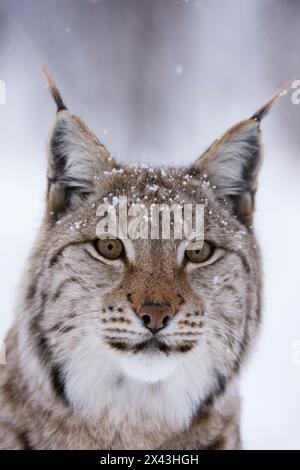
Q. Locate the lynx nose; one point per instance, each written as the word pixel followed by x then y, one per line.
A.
pixel 155 316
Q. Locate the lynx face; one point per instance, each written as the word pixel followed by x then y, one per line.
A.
pixel 129 318
pixel 151 308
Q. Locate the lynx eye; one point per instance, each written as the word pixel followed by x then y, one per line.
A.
pixel 201 255
pixel 110 248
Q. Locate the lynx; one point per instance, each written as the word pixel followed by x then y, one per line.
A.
pixel 135 344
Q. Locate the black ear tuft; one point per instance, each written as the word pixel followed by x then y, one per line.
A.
pixel 263 111
pixel 54 90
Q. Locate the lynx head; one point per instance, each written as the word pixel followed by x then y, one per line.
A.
pixel 144 310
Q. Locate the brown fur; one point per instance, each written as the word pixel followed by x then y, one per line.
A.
pixel 71 300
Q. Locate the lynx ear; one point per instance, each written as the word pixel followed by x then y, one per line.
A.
pixel 76 158
pixel 232 163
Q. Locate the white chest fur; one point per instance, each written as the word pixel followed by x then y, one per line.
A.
pixel 152 389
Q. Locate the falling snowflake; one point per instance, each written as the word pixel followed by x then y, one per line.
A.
pixel 178 69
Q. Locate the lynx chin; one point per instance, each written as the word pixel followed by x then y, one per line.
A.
pixel 135 343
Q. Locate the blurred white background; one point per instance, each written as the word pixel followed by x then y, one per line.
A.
pixel 158 81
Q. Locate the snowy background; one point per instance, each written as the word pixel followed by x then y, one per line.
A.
pixel 158 81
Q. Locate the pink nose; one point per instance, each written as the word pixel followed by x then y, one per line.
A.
pixel 154 316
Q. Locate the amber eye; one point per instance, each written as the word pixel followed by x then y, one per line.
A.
pixel 111 248
pixel 201 255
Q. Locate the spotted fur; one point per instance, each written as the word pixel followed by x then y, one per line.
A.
pixel 82 371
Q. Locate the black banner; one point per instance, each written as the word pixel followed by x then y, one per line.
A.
pixel 136 459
